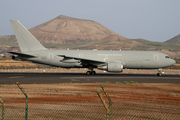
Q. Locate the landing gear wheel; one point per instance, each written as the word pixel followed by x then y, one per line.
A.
pixel 159 74
pixel 88 73
pixel 93 72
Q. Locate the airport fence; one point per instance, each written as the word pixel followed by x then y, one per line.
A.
pixel 81 109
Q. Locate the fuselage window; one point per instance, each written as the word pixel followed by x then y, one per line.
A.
pixel 167 57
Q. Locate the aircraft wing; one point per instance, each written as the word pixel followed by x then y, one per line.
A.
pixel 85 60
pixel 23 55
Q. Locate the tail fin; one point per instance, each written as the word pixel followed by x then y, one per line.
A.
pixel 27 42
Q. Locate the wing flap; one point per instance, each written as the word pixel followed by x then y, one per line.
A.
pixel 85 60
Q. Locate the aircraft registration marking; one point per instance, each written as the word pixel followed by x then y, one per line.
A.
pixel 109 54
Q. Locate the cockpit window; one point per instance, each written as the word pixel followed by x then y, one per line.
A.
pixel 167 57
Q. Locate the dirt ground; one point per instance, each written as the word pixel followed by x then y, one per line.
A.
pixel 80 100
pixel 141 92
pixel 158 100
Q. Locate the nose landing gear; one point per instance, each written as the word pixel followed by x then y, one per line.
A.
pixel 159 72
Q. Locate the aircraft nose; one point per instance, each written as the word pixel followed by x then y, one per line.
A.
pixel 173 62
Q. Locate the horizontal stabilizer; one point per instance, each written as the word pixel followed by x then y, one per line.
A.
pixel 23 55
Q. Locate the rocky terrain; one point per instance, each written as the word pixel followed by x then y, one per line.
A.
pixel 64 29
pixel 175 39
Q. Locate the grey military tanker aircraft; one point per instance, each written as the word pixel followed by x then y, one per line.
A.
pixel 109 60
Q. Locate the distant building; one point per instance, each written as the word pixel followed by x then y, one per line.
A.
pixel 1 54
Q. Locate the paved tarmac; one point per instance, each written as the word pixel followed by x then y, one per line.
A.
pixel 44 78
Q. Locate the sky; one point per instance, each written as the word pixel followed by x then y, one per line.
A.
pixel 153 20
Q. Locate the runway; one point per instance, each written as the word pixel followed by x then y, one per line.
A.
pixel 50 78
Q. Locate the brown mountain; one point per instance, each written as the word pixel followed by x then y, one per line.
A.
pixel 175 39
pixel 63 30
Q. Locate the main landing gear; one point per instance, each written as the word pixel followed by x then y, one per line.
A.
pixel 91 72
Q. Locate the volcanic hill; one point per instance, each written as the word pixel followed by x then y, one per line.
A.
pixel 175 39
pixel 63 30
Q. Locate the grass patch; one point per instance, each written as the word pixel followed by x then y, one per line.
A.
pixel 118 82
pixel 133 82
pixel 125 82
pixel 79 94
pixel 56 90
pixel 107 82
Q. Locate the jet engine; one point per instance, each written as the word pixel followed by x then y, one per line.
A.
pixel 70 61
pixel 15 57
pixel 112 67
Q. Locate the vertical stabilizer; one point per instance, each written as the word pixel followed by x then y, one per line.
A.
pixel 27 42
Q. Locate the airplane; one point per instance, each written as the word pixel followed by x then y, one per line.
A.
pixel 107 60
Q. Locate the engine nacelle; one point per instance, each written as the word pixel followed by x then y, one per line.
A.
pixel 112 67
pixel 70 61
pixel 115 67
pixel 15 57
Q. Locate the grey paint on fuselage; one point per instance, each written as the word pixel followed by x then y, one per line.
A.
pixel 109 60
pixel 129 59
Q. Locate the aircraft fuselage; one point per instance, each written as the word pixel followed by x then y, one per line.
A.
pixel 129 59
